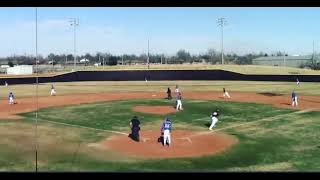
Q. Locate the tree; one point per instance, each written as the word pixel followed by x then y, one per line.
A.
pixel 113 60
pixel 10 64
pixel 183 55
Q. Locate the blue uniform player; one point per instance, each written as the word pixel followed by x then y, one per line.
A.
pixel 166 130
pixel 294 98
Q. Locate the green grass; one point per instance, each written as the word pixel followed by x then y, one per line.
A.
pixel 288 143
pixel 305 88
pixel 244 69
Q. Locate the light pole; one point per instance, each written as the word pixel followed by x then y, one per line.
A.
pixel 222 23
pixel 148 56
pixel 37 83
pixel 74 22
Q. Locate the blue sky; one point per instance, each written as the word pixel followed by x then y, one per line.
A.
pixel 127 30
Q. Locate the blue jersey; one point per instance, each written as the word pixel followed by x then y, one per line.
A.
pixel 167 125
pixel 11 95
pixel 294 95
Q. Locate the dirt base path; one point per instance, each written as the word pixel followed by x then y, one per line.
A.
pixel 184 144
pixel 29 104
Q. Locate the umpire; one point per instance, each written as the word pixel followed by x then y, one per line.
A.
pixel 169 93
pixel 135 128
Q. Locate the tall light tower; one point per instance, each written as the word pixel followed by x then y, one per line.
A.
pixel 222 22
pixel 148 55
pixel 74 22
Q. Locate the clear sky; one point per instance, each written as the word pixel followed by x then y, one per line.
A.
pixel 127 30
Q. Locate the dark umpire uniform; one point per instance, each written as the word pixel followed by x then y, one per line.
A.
pixel 135 128
pixel 169 93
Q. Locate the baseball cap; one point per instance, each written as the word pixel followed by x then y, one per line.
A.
pixel 214 113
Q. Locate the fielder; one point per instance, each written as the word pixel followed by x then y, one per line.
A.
pixel 294 98
pixel 214 120
pixel 225 93
pixel 179 102
pixel 53 91
pixel 11 98
pixel 166 131
pixel 298 82
pixel 177 89
pixel 5 83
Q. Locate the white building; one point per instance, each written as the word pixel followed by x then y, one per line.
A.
pixel 20 70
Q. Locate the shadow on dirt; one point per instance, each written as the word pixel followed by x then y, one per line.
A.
pixel 270 94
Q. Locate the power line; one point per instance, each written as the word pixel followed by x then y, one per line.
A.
pixel 222 22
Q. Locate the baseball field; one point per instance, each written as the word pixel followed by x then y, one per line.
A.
pixel 85 127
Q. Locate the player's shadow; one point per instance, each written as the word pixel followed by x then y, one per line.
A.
pixel 270 94
pixel 286 104
pixel 207 124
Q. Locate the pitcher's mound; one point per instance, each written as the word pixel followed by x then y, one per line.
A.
pixel 162 110
pixel 184 144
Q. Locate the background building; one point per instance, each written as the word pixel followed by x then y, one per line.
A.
pixel 291 61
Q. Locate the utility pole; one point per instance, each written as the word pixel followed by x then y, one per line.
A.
pixel 122 61
pixel 74 22
pixel 284 58
pixel 222 23
pixel 66 59
pixel 313 52
pixel 99 59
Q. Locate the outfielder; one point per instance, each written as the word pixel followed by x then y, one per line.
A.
pixel 225 93
pixel 294 98
pixel 166 129
pixel 53 91
pixel 179 102
pixel 298 82
pixel 11 98
pixel 214 120
pixel 5 83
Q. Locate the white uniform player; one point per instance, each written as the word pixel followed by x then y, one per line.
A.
pixel 294 97
pixel 177 89
pixel 225 93
pixel 11 98
pixel 53 91
pixel 214 120
pixel 166 130
pixel 179 102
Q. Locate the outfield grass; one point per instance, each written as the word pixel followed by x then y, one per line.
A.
pixel 290 142
pixel 244 69
pixel 305 88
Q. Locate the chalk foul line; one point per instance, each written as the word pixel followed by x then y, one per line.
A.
pixel 85 127
pixel 252 122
